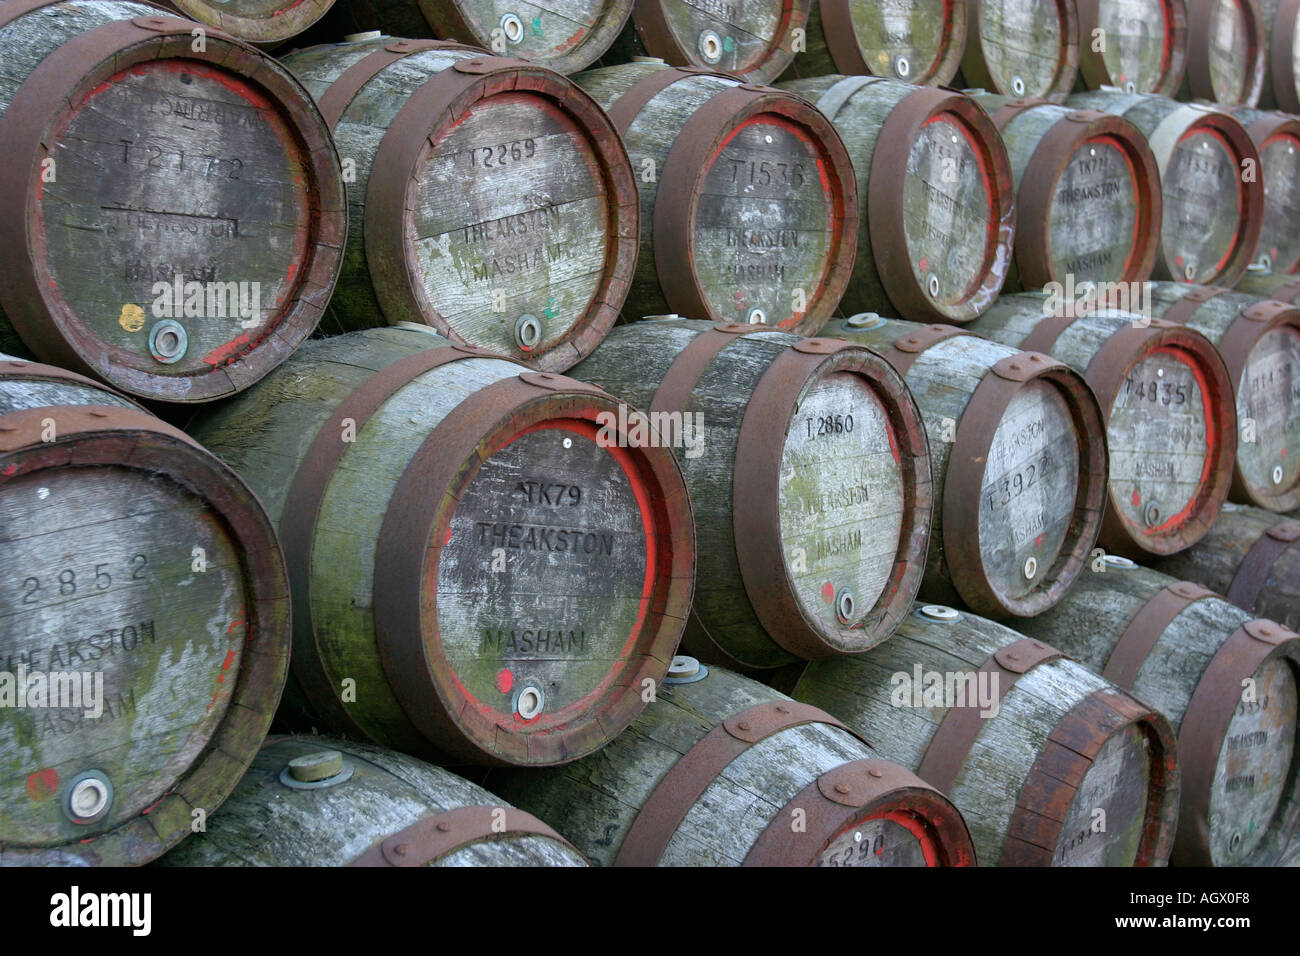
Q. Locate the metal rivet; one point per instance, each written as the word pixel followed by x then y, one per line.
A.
pixel 1012 656
pixel 782 709
pixel 402 849
pixel 710 46
pixel 168 341
pixel 745 725
pixel 1266 630
pixel 444 827
pixel 512 28
pixel 1031 567
pixel 873 772
pixel 841 788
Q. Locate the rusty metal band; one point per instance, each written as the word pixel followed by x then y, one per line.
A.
pixel 956 733
pixel 1257 565
pixel 687 779
pixel 1200 31
pixel 906 349
pixel 887 216
pixel 1282 57
pixel 1044 800
pixel 1267 125
pixel 967 463
pixel 1207 718
pixel 1042 337
pixel 636 97
pixel 1004 114
pixel 756 488
pixel 335 100
pixel 1287 292
pixel 302 506
pixel 1146 628
pixel 415 529
pixel 1181 312
pixel 851 792
pixel 432 838
pixel 682 181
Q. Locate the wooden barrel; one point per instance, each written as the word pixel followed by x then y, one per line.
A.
pixel 483 566
pixel 565 37
pixel 1049 764
pixel 1260 343
pixel 267 23
pixel 173 217
pixel 722 771
pixel 1225 52
pixel 1017 432
pixel 915 41
pixel 1210 219
pixel 1277 137
pixel 810 478
pixel 145 617
pixel 1249 558
pixel 492 198
pixel 1022 47
pixel 1281 22
pixel 1226 682
pixel 1087 194
pixel 939 197
pixel 1142 47
pixel 749 211
pixel 754 40
pixel 1266 284
pixel 1169 406
pixel 314 801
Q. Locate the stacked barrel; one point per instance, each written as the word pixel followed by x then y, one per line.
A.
pixel 718 473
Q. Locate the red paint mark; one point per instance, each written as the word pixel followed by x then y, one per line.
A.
pixel 828 592
pixel 1038 542
pixel 223 353
pixel 448 541
pixel 230 659
pixel 505 680
pixel 572 41
pixel 1178 261
pixel 1121 79
pixel 1284 453
pixel 233 625
pixel 11 470
pixel 293 267
pixel 880 851
pixel 42 784
pixel 1137 499
pixel 924 264
pixel 1272 253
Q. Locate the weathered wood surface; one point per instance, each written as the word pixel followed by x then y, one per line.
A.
pixel 1145 45
pixel 1022 47
pixel 1226 52
pixel 1035 484
pixel 1170 417
pixel 1128 775
pixel 754 40
pixel 955 224
pixel 1087 194
pixel 1278 140
pixel 561 35
pixel 209 168
pixel 1273 585
pixel 139 576
pixel 598 799
pixel 1264 284
pixel 520 206
pixel 1211 218
pixel 916 41
pixel 1264 362
pixel 1249 786
pixel 847 468
pixel 268 822
pixel 264 22
pixel 557 569
pixel 773 219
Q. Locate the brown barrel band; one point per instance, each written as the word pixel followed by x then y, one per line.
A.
pixel 1181 312
pixel 636 97
pixel 1146 628
pixel 1205 724
pixel 1004 114
pixel 335 100
pixel 842 795
pixel 956 734
pixel 906 349
pixel 1044 800
pixel 432 838
pixel 687 779
pixel 1253 572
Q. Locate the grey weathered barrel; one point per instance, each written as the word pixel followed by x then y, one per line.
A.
pixel 484 564
pixel 267 23
pixel 1018 451
pixel 1213 197
pixel 809 473
pixel 565 36
pixel 1225 52
pixel 1226 682
pixel 1142 48
pixel 314 801
pixel 1281 22
pixel 749 212
pixel 1022 47
pixel 722 771
pixel 1169 406
pixel 755 40
pixel 1277 137
pixel 1087 194
pixel 1260 343
pixel 938 195
pixel 1249 557
pixel 172 216
pixel 492 199
pixel 916 41
pixel 146 613
pixel 1049 764
pixel 1265 284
